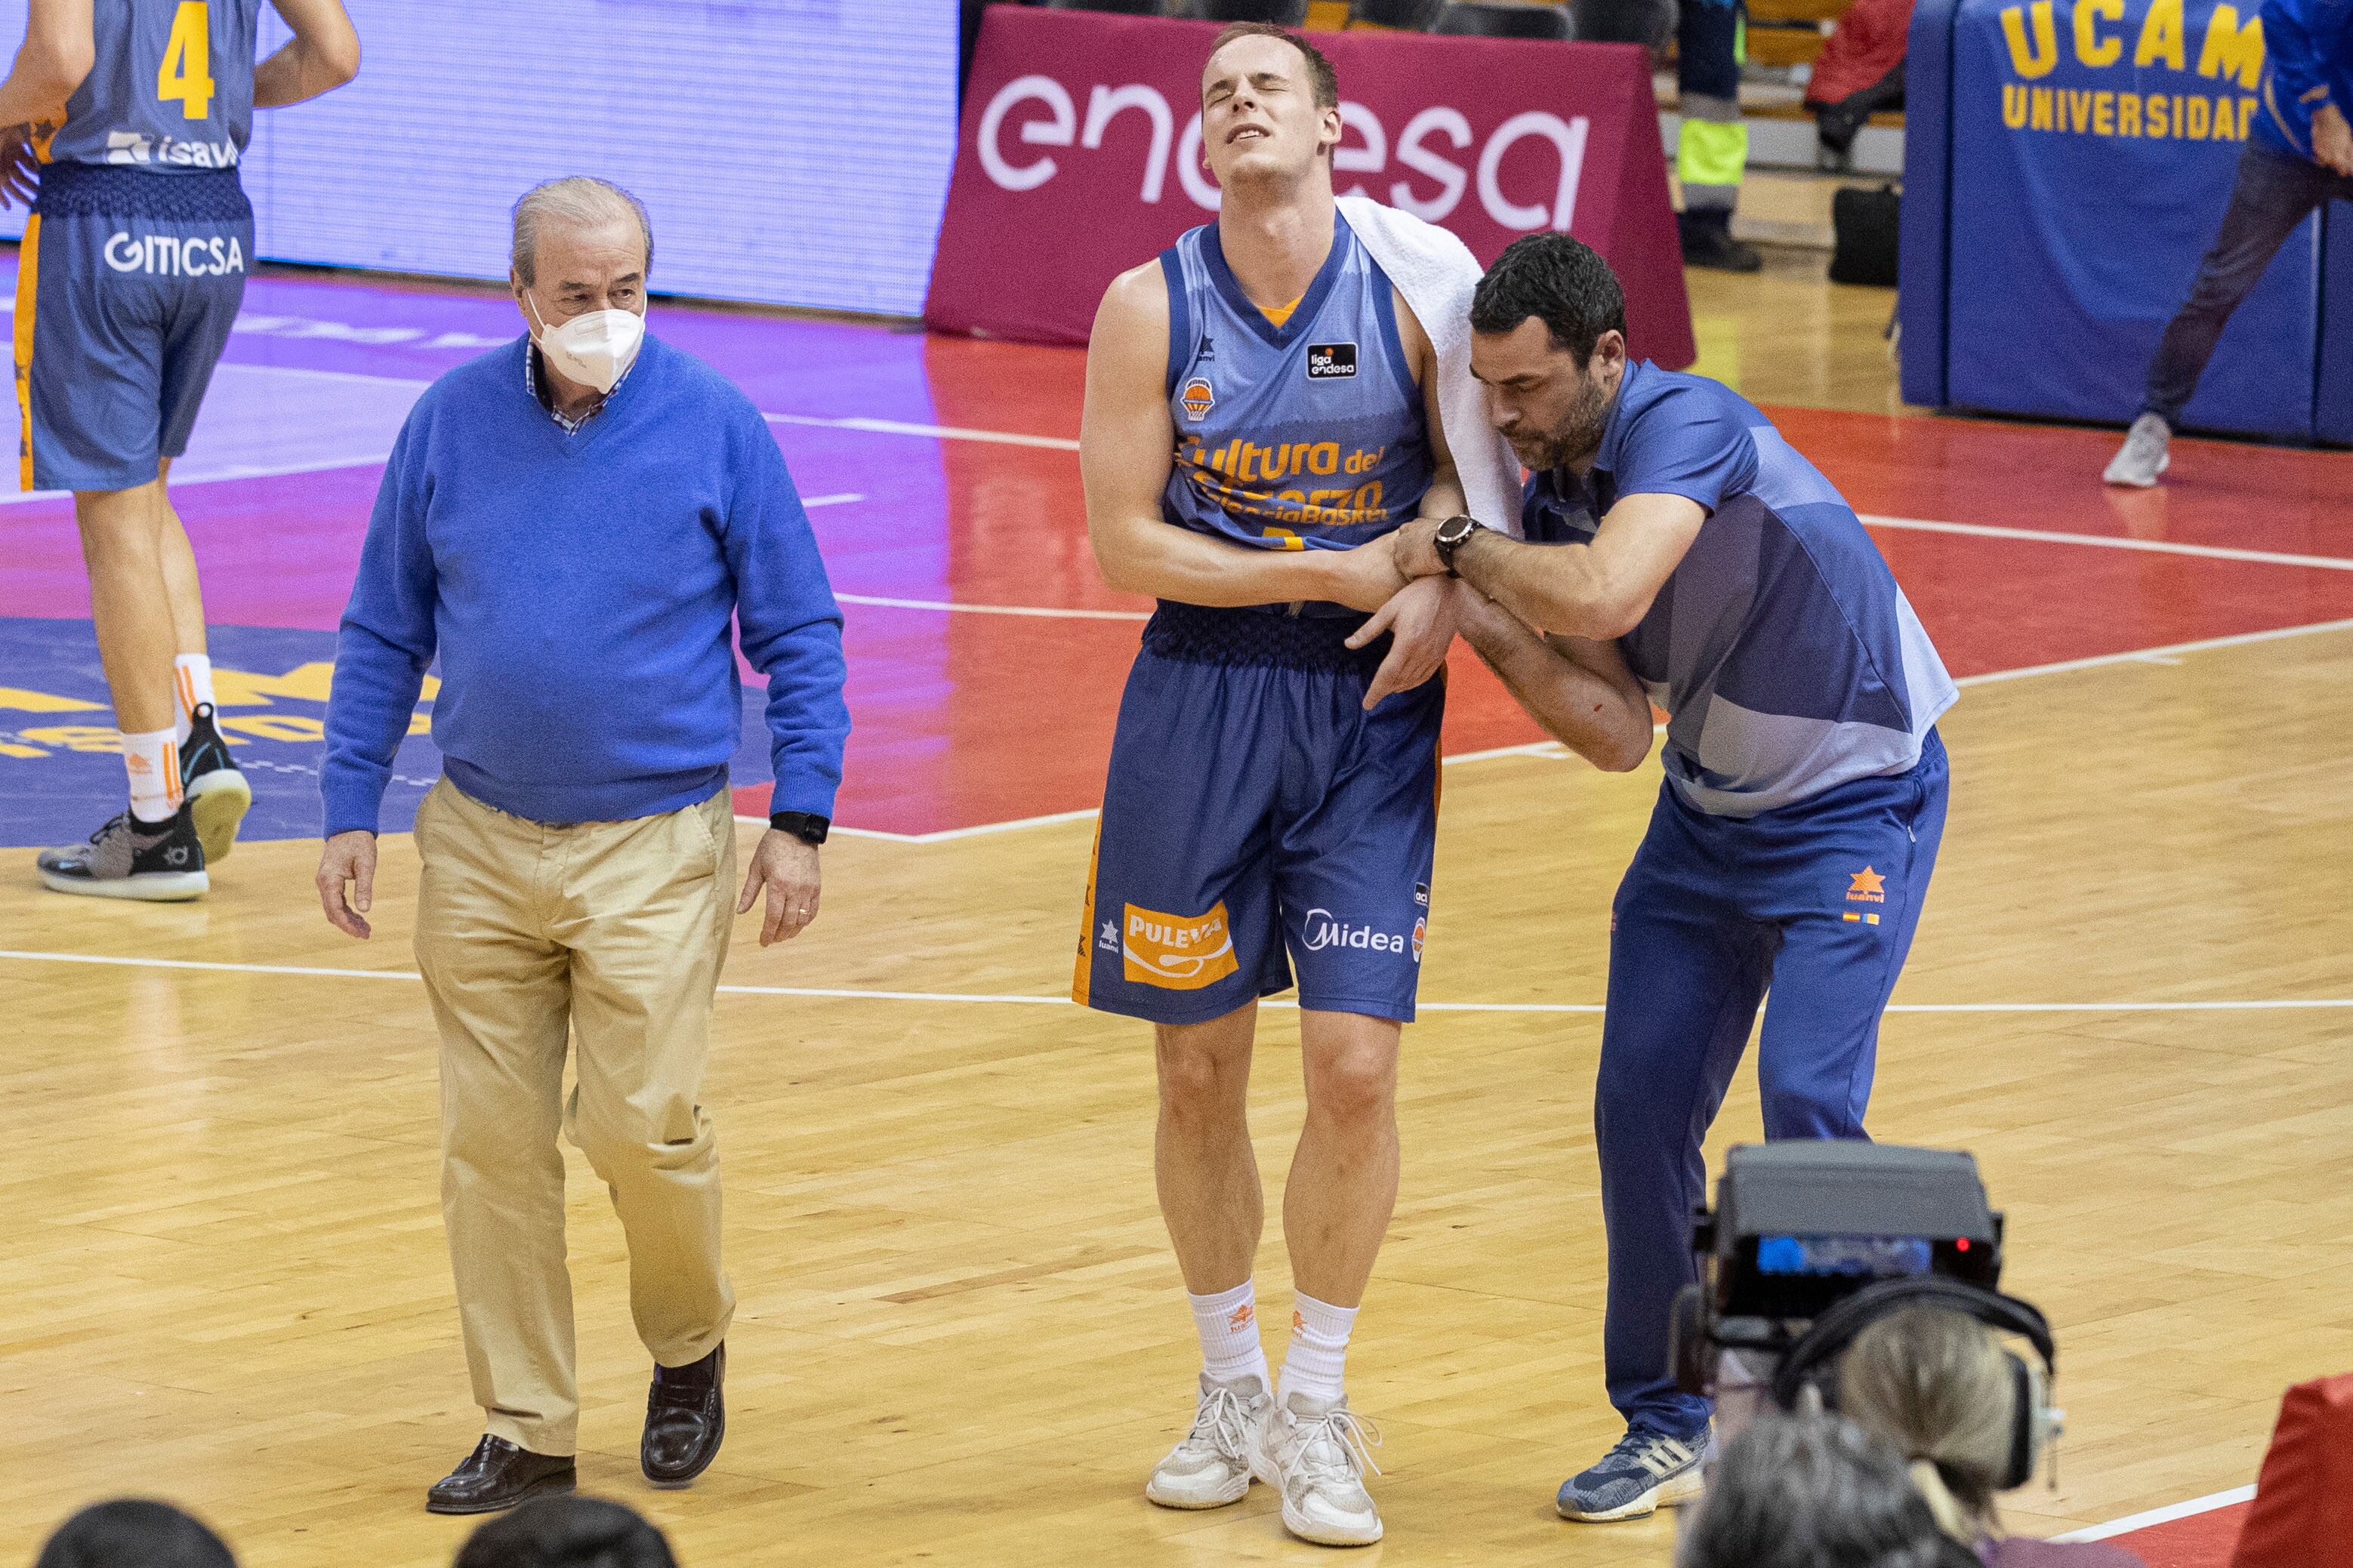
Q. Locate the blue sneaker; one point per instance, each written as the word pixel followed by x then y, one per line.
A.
pixel 1644 1472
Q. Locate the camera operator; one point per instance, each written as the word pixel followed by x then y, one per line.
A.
pixel 1814 1490
pixel 1938 1386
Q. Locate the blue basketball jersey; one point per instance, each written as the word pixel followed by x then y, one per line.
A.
pixel 1309 435
pixel 171 90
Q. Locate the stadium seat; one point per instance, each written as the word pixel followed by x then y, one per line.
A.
pixel 1283 12
pixel 1394 15
pixel 1505 19
pixel 1644 22
pixel 2298 1519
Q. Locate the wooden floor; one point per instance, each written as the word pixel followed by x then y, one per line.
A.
pixel 959 1338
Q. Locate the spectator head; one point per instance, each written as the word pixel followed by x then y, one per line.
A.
pixel 567 1532
pixel 131 1532
pixel 1549 338
pixel 1936 1384
pixel 1813 1491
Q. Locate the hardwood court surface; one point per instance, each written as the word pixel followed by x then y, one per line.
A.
pixel 959 1338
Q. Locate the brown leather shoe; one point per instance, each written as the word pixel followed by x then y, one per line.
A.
pixel 498 1475
pixel 686 1417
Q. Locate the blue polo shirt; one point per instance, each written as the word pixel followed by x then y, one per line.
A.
pixel 1786 657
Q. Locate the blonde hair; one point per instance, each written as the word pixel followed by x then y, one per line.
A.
pixel 1938 1386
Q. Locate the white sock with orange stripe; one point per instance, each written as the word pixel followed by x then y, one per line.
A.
pixel 1227 1323
pixel 192 684
pixel 153 760
pixel 1318 1357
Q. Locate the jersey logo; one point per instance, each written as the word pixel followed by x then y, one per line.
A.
pixel 1331 362
pixel 1198 398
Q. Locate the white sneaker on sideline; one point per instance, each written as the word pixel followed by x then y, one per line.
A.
pixel 2143 455
pixel 1211 1468
pixel 1316 1452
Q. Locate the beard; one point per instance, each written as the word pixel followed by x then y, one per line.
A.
pixel 1576 436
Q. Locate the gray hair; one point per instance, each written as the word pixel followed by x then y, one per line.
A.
pixel 578 199
pixel 1813 1491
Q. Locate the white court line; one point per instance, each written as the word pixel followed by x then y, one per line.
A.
pixel 2112 541
pixel 2164 1515
pixel 849 995
pixel 936 432
pixel 1039 610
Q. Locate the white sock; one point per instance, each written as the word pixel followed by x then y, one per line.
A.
pixel 1227 1323
pixel 153 760
pixel 191 683
pixel 1319 1348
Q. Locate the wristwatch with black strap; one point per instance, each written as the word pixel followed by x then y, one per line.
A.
pixel 805 825
pixel 1453 535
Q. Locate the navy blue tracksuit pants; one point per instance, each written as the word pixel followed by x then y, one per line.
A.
pixel 1815 902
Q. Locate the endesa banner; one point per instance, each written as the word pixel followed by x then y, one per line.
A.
pixel 2092 148
pixel 1081 157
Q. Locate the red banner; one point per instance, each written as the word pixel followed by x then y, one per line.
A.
pixel 1081 157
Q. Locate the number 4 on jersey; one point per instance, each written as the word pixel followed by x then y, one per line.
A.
pixel 187 73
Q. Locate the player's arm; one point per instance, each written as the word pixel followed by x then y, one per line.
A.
pixel 1596 591
pixel 1424 616
pixel 323 55
pixel 58 49
pixel 1127 445
pixel 1579 690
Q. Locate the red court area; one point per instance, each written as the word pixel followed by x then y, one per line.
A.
pixel 943 478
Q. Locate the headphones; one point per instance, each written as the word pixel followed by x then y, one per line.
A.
pixel 2035 1422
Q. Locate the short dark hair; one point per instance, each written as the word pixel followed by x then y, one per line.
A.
pixel 567 1532
pixel 1558 280
pixel 131 1533
pixel 1319 74
pixel 1813 1491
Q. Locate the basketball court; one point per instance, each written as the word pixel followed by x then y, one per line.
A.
pixel 2131 996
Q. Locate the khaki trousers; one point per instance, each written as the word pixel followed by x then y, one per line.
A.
pixel 614 931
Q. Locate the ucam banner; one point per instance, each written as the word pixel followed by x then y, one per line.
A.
pixel 1081 157
pixel 2084 150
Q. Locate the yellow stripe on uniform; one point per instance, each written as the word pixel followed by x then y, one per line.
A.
pixel 28 290
pixel 1711 151
pixel 1082 972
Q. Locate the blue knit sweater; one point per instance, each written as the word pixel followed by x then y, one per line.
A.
pixel 579 589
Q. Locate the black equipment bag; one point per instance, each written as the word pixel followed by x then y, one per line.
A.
pixel 1864 224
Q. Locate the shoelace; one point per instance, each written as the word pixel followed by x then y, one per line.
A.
pixel 1656 1454
pixel 1221 1420
pixel 1336 1445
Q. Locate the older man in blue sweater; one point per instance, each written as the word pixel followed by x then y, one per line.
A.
pixel 572 524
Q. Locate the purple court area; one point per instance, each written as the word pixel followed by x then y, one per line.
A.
pixel 276 489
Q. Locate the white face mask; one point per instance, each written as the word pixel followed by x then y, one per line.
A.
pixel 593 348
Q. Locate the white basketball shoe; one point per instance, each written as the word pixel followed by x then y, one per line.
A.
pixel 1211 1468
pixel 1316 1452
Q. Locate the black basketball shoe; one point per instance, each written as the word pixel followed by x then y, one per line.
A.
pixel 218 796
pixel 127 858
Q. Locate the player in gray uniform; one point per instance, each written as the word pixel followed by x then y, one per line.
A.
pixel 125 121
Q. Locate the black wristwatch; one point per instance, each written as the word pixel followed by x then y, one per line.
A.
pixel 1451 535
pixel 805 825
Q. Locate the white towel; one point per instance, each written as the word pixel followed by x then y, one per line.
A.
pixel 1436 273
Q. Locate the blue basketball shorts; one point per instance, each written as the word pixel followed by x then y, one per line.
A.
pixel 128 283
pixel 1257 819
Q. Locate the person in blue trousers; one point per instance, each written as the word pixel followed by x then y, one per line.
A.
pixel 1679 552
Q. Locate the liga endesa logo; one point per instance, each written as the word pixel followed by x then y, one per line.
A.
pixel 1422 147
